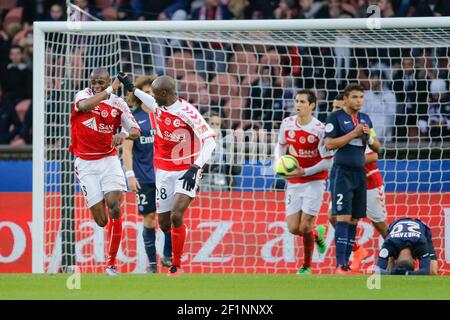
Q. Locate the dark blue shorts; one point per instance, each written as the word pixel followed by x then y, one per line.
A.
pixel 146 198
pixel 348 191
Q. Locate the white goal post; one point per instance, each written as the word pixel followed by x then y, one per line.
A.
pixel 273 250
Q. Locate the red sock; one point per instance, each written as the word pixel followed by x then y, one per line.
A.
pixel 308 247
pixel 355 247
pixel 114 237
pixel 178 238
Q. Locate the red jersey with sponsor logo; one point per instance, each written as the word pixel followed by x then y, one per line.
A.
pixel 306 144
pixel 180 132
pixel 92 132
pixel 374 178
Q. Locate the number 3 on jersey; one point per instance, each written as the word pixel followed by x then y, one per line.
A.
pixel 141 199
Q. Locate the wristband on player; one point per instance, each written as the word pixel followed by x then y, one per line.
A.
pixel 371 141
pixel 129 174
pixel 109 90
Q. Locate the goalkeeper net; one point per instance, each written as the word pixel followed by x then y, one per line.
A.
pixel 243 75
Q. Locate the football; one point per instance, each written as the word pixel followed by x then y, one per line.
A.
pixel 285 165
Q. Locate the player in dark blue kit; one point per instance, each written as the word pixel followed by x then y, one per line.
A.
pixel 348 132
pixel 407 240
pixel 138 163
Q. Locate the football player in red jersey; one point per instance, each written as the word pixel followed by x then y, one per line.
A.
pixel 301 136
pixel 184 142
pixel 97 114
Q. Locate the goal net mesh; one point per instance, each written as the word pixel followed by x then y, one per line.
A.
pixel 249 79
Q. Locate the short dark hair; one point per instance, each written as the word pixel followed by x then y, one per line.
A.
pixel 407 264
pixel 353 87
pixel 311 95
pixel 339 97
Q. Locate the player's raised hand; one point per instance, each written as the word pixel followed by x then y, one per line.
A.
pixel 126 82
pixel 366 130
pixel 133 184
pixel 116 84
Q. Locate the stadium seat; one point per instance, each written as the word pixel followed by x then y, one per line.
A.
pixel 22 108
pixel 223 85
pixel 14 15
pixel 103 4
pixel 109 14
pixel 180 64
pixel 7 4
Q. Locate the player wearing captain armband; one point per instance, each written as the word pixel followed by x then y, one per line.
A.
pixel 376 207
pixel 301 136
pixel 407 240
pixel 183 143
pixel 348 132
pixel 96 116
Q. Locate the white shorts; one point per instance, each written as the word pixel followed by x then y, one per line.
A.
pixel 376 207
pixel 306 197
pixel 168 183
pixel 98 177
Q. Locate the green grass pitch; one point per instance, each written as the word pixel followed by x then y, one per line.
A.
pixel 222 287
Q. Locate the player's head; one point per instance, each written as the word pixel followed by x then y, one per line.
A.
pixel 214 121
pixel 305 102
pixel 143 83
pixel 405 260
pixel 354 96
pixel 100 80
pixel 164 90
pixel 338 102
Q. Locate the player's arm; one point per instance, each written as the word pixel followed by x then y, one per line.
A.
pixel 148 102
pixel 89 104
pixel 424 267
pixel 332 141
pixel 383 262
pixel 371 157
pixel 127 155
pixel 205 153
pixel 372 139
pixel 325 163
pixel 281 146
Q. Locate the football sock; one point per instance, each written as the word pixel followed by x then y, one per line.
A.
pixel 308 247
pixel 167 244
pixel 149 243
pixel 351 241
pixel 178 238
pixel 341 241
pixel 114 236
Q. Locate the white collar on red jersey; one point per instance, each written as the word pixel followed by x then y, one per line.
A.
pixel 173 105
pixel 305 126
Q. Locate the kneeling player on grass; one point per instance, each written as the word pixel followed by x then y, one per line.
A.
pixel 183 143
pixel 407 239
pixel 376 208
pixel 301 136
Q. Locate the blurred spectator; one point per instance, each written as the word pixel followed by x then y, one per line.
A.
pixel 24 134
pixel 88 11
pixel 436 123
pixel 9 121
pixel 410 87
pixel 217 174
pixel 16 79
pixel 264 103
pixel 309 8
pixel 380 105
pixel 442 8
pixel 261 9
pixel 210 56
pixel 287 9
pixel 57 13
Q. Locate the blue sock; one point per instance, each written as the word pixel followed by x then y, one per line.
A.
pixel 341 241
pixel 167 244
pixel 149 243
pixel 351 241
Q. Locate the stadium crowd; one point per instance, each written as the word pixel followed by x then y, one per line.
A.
pixel 252 89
